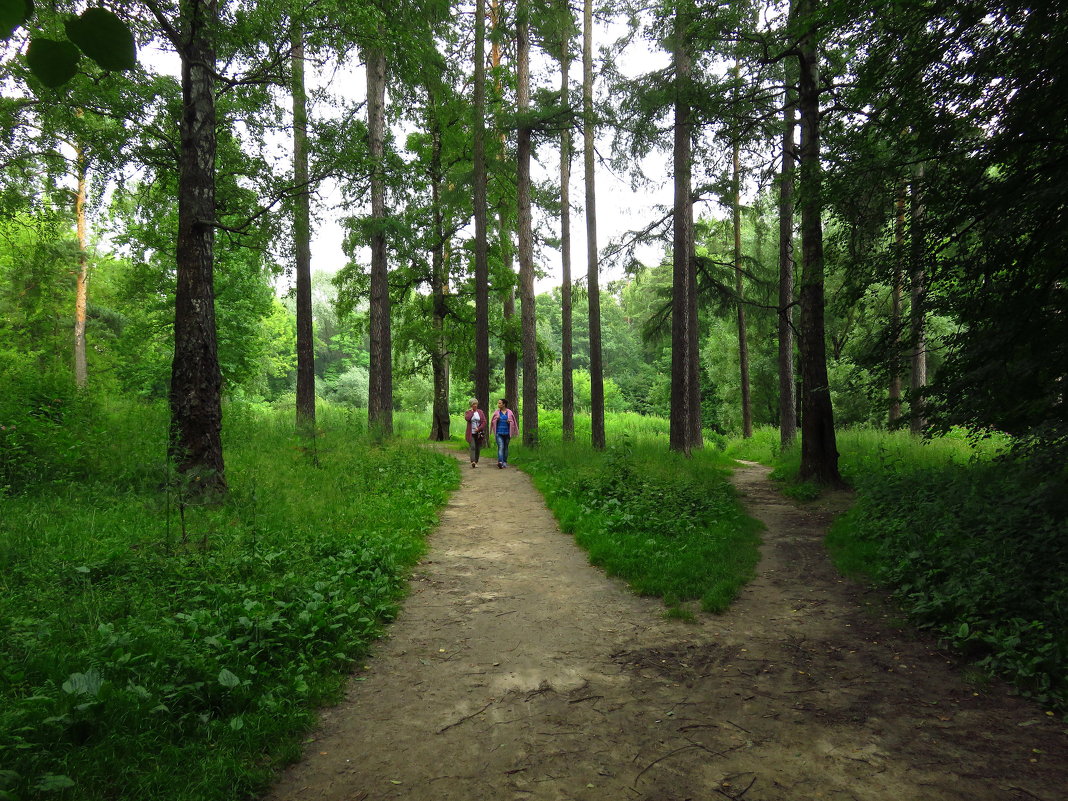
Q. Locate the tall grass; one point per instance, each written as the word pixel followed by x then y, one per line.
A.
pixel 145 636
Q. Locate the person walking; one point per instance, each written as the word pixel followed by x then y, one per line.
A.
pixel 505 426
pixel 475 433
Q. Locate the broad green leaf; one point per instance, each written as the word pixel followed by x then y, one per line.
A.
pixel 53 63
pixel 105 38
pixel 13 13
pixel 51 782
pixel 88 683
pixel 228 679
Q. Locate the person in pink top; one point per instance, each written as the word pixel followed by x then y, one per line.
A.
pixel 504 425
pixel 475 432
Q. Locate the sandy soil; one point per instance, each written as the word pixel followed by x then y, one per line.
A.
pixel 517 671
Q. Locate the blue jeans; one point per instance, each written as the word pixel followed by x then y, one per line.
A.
pixel 502 448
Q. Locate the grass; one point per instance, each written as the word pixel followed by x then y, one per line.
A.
pixel 670 526
pixel 145 637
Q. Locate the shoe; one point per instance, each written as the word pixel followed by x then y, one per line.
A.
pixel 500 466
pixel 474 464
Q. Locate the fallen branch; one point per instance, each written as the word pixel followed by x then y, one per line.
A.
pixel 465 718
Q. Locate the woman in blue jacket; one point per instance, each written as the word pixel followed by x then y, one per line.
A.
pixel 505 426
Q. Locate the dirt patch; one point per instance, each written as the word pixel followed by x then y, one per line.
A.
pixel 517 671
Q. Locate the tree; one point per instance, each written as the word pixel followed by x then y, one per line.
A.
pixel 526 233
pixel 478 111
pixel 917 317
pixel 787 408
pixel 567 380
pixel 302 237
pixel 739 287
pixel 594 293
pixel 685 389
pixel 82 277
pixel 380 398
pixel 196 380
pixel 819 452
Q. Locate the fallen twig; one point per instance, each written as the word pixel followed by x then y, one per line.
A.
pixel 465 718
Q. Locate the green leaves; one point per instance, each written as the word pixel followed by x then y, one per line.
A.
pixel 52 62
pixel 13 13
pixel 228 679
pixel 98 33
pixel 104 38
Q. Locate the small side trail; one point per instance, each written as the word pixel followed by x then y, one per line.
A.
pixel 518 671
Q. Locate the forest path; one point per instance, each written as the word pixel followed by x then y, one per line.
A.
pixel 518 671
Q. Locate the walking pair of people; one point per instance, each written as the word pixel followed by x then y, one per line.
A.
pixel 502 423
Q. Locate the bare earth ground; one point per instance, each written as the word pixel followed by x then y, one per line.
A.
pixel 517 671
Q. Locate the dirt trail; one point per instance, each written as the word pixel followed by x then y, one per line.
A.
pixel 517 671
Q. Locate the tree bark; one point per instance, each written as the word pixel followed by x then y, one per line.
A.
pixel 918 315
pixel 439 355
pixel 511 355
pixel 380 386
pixel 81 285
pixel 787 407
pixel 196 379
pixel 302 239
pixel 479 200
pixel 685 428
pixel 567 372
pixel 819 452
pixel 597 435
pixel 739 287
pixel 529 414
pixel 895 309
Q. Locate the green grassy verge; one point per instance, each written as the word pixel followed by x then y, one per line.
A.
pixel 151 648
pixel 670 526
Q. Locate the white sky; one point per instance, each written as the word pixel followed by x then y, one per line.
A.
pixel 619 208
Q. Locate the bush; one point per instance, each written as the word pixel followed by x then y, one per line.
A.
pixel 349 388
pixel 46 424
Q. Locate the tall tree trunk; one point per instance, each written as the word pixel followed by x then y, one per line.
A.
pixel 81 285
pixel 819 452
pixel 918 314
pixel 567 375
pixel 511 355
pixel 196 379
pixel 479 199
pixel 526 231
pixel 787 407
pixel 380 387
pixel 593 283
pixel 302 238
pixel 684 374
pixel 895 309
pixel 739 288
pixel 439 355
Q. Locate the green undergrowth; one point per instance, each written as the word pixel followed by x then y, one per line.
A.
pixel 971 539
pixel 670 526
pixel 155 646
